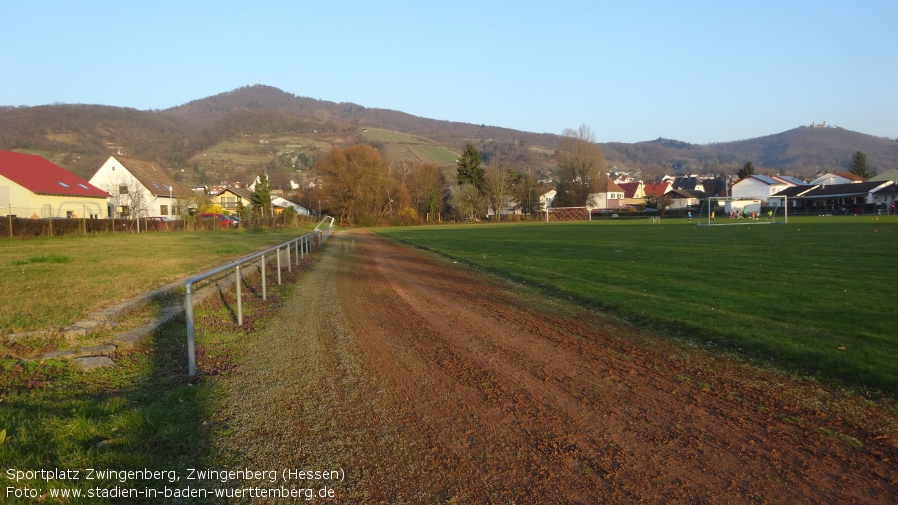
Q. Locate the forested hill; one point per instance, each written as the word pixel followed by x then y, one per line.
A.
pixel 231 135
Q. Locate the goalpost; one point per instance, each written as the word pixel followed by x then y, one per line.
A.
pixel 557 214
pixel 728 211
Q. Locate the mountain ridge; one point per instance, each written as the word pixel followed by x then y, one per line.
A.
pixel 79 137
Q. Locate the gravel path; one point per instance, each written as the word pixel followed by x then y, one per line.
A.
pixel 303 400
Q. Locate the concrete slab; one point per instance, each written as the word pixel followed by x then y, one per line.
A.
pixel 94 362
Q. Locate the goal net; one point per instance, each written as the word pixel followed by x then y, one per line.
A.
pixel 725 211
pixel 556 214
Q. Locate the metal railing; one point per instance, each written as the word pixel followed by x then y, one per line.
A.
pixel 305 244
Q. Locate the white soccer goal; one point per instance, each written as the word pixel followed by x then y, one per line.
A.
pixel 727 211
pixel 557 214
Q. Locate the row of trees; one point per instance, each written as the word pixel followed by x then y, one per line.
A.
pixel 363 188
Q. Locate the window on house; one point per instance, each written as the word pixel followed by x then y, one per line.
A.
pixel 62 184
pixel 123 190
pixel 124 211
pixel 69 214
pixel 163 209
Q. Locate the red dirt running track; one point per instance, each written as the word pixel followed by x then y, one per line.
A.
pixel 461 388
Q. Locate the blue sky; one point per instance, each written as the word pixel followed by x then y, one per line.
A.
pixel 696 71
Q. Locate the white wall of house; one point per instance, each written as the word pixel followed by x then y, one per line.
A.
pixel 546 199
pixel 129 197
pixel 681 202
pixel 607 200
pixel 510 207
pixel 284 203
pixel 752 188
pixel 831 178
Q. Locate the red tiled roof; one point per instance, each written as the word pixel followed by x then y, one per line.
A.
pixel 629 188
pixel 40 176
pixel 656 189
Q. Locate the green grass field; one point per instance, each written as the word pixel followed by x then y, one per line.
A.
pixel 816 295
pixel 438 154
pixel 393 137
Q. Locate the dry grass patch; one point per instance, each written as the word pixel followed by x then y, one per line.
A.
pixel 54 282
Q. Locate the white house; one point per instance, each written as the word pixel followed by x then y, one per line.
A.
pixel 681 199
pixel 140 188
pixel 546 200
pixel 612 198
pixel 282 203
pixel 830 178
pixel 762 187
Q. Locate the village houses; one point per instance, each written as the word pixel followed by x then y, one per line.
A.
pixel 140 188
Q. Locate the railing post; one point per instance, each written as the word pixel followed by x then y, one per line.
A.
pixel 191 338
pixel 239 299
pixel 289 257
pixel 279 265
pixel 264 293
pixel 303 244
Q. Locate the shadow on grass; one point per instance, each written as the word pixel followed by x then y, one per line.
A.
pixel 144 415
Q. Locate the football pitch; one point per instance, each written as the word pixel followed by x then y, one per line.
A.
pixel 816 296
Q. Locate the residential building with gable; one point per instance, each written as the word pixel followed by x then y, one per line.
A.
pixel 634 192
pixel 229 197
pixel 33 187
pixel 763 187
pixel 140 188
pixel 657 189
pixel 850 198
pixel 830 178
pixel 611 198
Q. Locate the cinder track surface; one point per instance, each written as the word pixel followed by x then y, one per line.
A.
pixel 429 383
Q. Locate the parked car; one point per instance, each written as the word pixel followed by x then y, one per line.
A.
pixel 155 222
pixel 223 220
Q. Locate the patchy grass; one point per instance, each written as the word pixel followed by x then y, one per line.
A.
pixel 50 258
pixel 52 282
pixel 808 296
pixel 144 413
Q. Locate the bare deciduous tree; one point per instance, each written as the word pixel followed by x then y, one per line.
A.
pixel 581 168
pixel 499 190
